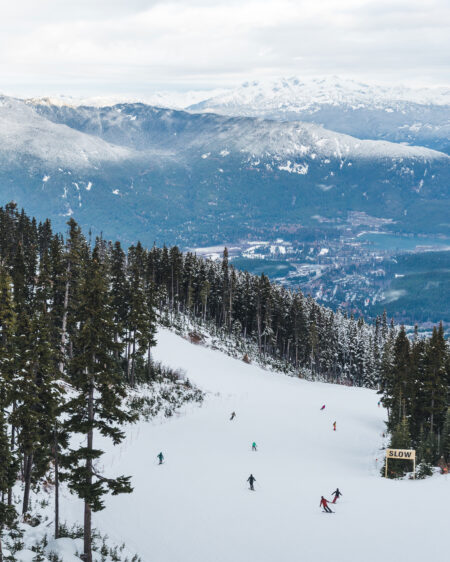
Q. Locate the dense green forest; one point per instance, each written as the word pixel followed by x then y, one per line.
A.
pixel 78 319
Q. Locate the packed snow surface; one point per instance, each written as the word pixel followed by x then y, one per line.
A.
pixel 197 507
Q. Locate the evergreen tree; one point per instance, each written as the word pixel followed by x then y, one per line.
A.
pixel 97 404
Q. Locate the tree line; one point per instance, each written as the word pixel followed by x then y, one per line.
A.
pixel 415 389
pixel 67 354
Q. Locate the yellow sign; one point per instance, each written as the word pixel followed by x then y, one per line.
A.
pixel 400 454
pixel 404 454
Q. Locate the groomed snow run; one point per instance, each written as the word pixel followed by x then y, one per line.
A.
pixel 197 507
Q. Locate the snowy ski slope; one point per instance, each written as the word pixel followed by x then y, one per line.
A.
pixel 197 506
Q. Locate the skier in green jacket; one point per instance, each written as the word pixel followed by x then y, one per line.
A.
pixel 254 446
pixel 160 457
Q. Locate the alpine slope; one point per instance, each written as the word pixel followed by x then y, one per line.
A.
pixel 197 505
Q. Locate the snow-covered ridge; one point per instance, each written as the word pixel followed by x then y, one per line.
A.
pixel 168 99
pixel 82 137
pixel 23 133
pixel 295 94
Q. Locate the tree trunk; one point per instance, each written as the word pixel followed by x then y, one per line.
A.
pixel 133 361
pixel 27 475
pixel 13 439
pixel 87 508
pixel 56 488
pixel 149 363
pixel 128 355
pixel 64 321
pixel 432 414
pixel 87 556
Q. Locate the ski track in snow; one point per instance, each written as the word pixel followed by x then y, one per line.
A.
pixel 197 507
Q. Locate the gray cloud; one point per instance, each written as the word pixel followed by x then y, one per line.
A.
pixel 54 46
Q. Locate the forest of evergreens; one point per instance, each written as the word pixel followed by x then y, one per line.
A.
pixel 78 319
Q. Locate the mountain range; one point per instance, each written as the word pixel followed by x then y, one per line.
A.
pixel 417 116
pixel 133 170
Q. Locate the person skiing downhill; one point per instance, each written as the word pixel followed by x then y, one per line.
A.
pixel 324 504
pixel 160 457
pixel 322 408
pixel 254 446
pixel 334 426
pixel 337 494
pixel 233 415
pixel 251 479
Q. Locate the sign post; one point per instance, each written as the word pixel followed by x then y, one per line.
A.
pixel 400 454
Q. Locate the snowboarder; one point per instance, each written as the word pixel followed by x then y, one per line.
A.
pixel 324 504
pixel 322 408
pixel 337 494
pixel 233 415
pixel 334 426
pixel 254 446
pixel 251 479
pixel 160 457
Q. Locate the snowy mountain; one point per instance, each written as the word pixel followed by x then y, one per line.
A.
pixel 399 114
pixel 197 506
pixel 137 171
pixel 26 135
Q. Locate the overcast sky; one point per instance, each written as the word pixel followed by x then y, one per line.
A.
pixel 90 47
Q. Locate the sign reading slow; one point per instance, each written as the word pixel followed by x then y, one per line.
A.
pixel 400 454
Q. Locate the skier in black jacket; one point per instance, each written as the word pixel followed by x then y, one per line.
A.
pixel 251 479
pixel 337 494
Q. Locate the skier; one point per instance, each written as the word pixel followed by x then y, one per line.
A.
pixel 337 494
pixel 254 446
pixel 160 457
pixel 251 479
pixel 334 426
pixel 322 408
pixel 233 415
pixel 379 402
pixel 324 504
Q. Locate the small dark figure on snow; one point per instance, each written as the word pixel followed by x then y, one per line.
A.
pixel 322 408
pixel 254 446
pixel 337 494
pixel 233 415
pixel 160 457
pixel 251 479
pixel 334 426
pixel 324 504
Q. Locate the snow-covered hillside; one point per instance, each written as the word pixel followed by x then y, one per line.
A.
pixel 197 506
pixel 25 134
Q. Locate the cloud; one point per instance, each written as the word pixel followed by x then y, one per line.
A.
pixel 141 45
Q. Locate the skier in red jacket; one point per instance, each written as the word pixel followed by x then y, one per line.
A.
pixel 324 504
